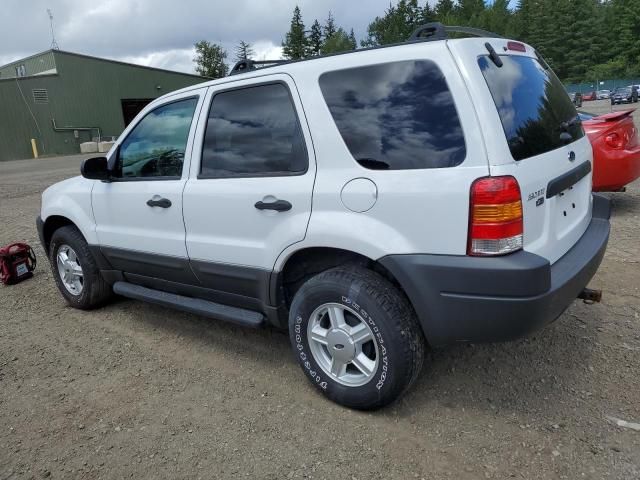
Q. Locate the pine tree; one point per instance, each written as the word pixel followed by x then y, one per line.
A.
pixel 210 60
pixel 498 18
pixel 352 40
pixel 470 11
pixel 445 11
pixel 397 24
pixel 315 39
pixel 244 51
pixel 428 14
pixel 329 28
pixel 340 41
pixel 294 47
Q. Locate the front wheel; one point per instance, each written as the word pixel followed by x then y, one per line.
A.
pixel 356 337
pixel 75 270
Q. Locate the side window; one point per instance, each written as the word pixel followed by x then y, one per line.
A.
pixel 156 146
pixel 251 132
pixel 396 116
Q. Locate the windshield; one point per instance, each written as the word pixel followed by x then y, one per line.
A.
pixel 623 90
pixel 536 113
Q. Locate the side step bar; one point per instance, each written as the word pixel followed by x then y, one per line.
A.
pixel 239 316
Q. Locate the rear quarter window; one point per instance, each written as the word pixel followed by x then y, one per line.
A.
pixel 396 116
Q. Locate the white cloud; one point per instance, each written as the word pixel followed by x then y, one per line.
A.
pixel 161 33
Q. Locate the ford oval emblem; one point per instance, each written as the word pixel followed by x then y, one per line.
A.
pixel 572 156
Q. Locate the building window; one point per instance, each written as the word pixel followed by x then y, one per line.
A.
pixel 21 71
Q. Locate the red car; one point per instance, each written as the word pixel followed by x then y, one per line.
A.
pixel 616 149
pixel 588 96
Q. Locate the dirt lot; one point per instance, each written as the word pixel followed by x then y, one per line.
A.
pixel 137 391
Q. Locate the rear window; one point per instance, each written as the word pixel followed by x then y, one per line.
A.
pixel 535 110
pixel 396 116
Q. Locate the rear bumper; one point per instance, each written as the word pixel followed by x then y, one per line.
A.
pixel 474 299
pixel 614 169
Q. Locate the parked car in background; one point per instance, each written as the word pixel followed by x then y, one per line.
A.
pixel 616 150
pixel 603 94
pixel 576 98
pixel 624 95
pixel 589 96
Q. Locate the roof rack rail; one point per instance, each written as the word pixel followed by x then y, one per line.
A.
pixel 437 31
pixel 246 65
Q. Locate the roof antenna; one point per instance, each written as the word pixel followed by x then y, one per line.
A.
pixel 54 44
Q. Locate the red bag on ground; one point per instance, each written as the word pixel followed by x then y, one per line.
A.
pixel 17 263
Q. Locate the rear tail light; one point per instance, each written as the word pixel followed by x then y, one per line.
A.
pixel 616 140
pixel 495 216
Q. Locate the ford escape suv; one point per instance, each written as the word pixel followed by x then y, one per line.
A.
pixel 373 203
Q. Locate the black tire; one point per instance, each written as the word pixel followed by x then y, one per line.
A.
pixel 401 344
pixel 95 291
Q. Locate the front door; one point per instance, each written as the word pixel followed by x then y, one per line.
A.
pixel 249 193
pixel 139 214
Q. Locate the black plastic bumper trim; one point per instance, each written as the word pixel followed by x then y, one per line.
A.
pixel 479 299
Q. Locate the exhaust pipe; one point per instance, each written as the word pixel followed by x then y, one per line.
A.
pixel 590 296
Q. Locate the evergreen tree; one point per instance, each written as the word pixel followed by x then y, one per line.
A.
pixel 397 24
pixel 315 39
pixel 210 60
pixel 295 47
pixel 445 11
pixel 498 18
pixel 329 28
pixel 470 11
pixel 340 41
pixel 352 40
pixel 582 40
pixel 244 51
pixel 428 14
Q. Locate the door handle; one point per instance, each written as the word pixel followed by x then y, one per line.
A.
pixel 161 202
pixel 278 206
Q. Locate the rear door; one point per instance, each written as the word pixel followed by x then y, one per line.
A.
pixel 249 193
pixel 532 132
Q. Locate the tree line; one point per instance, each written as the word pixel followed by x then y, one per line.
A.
pixel 583 40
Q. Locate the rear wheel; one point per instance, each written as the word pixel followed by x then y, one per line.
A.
pixel 75 271
pixel 356 337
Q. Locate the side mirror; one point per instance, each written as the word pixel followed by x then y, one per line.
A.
pixel 96 168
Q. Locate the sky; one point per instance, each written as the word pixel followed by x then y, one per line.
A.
pixel 161 33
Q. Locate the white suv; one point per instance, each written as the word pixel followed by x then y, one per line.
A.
pixel 373 203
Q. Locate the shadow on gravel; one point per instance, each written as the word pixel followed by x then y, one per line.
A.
pixel 525 377
pixel 624 204
pixel 260 345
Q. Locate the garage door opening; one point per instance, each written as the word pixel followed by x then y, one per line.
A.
pixel 132 106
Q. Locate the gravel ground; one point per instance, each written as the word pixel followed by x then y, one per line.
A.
pixel 134 390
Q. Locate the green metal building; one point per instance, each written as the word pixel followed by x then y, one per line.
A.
pixel 62 99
